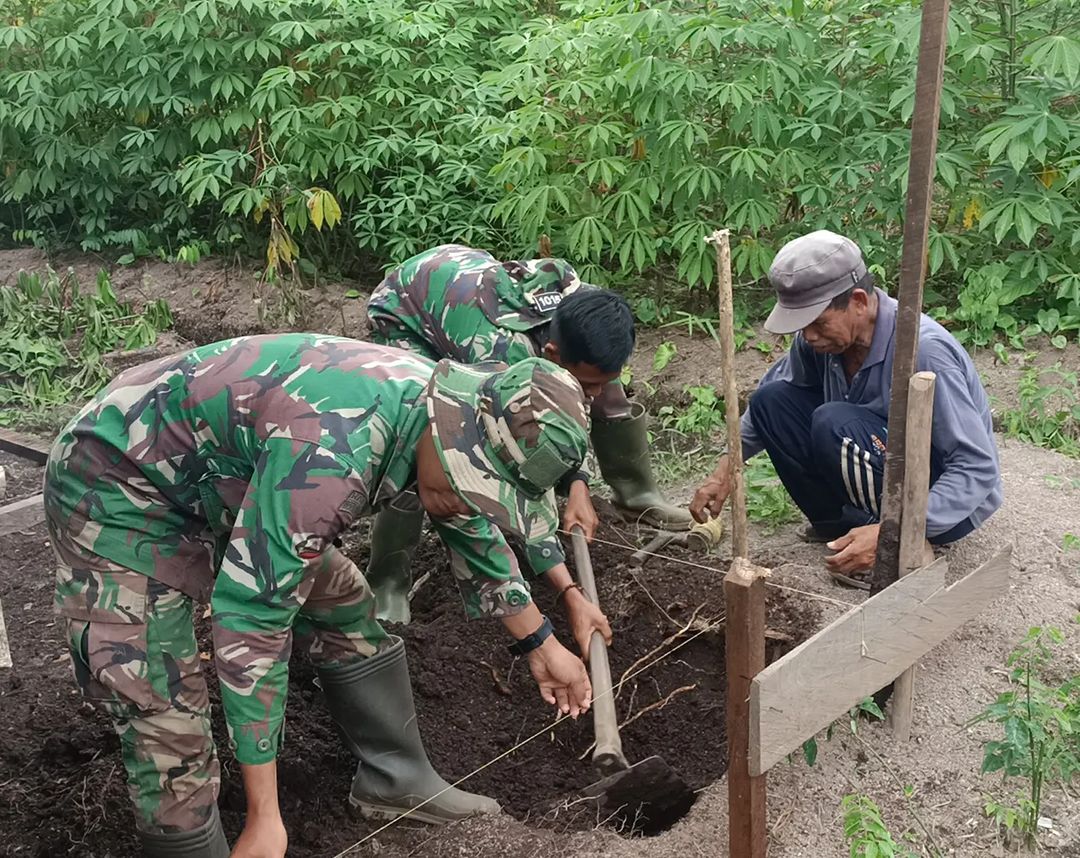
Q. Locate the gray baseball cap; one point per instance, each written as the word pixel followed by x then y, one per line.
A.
pixel 807 274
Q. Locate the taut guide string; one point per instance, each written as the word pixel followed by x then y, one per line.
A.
pixel 547 729
pixel 563 718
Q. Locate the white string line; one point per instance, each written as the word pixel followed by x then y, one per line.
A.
pixel 561 719
pixel 672 559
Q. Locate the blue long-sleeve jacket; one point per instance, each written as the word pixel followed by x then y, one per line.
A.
pixel 962 436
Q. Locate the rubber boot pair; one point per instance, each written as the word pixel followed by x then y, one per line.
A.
pixel 371 701
pixel 206 841
pixel 622 451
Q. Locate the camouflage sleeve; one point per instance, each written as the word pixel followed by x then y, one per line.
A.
pixel 544 554
pixel 502 344
pixel 300 497
pixel 485 568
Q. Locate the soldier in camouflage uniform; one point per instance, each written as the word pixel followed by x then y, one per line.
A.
pixel 460 303
pixel 225 474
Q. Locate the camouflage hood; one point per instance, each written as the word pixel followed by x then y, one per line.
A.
pixel 506 437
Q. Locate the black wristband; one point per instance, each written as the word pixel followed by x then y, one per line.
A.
pixel 530 642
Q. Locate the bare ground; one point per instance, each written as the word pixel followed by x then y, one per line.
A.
pixel 942 761
pixel 218 298
pixel 943 758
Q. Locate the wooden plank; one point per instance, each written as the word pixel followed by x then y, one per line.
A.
pixel 744 643
pixel 5 650
pixel 21 515
pixel 24 445
pixel 726 333
pixel 921 168
pixel 913 544
pixel 822 678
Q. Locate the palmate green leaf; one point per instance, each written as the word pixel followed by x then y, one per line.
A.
pixel 1057 55
pixel 589 237
pixel 637 247
pixel 751 215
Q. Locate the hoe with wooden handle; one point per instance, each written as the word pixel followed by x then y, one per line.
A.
pixel 648 795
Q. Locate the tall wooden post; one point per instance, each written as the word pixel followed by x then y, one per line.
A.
pixel 726 332
pixel 744 593
pixel 921 169
pixel 913 554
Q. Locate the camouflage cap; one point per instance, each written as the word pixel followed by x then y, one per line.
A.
pixel 530 291
pixel 506 437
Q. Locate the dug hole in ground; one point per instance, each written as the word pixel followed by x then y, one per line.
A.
pixel 62 788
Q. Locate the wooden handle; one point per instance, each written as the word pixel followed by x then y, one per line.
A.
pixel 608 756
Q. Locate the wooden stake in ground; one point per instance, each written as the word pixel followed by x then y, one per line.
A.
pixel 913 545
pixel 726 331
pixel 924 131
pixel 744 643
pixel 5 650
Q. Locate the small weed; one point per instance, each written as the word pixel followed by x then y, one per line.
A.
pixel 1040 722
pixel 664 353
pixel 1049 411
pixel 1070 542
pixel 866 832
pixel 767 501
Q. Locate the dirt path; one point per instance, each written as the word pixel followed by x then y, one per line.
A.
pixel 216 299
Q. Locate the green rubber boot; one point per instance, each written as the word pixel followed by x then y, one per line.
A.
pixel 394 537
pixel 371 701
pixel 622 450
pixel 206 841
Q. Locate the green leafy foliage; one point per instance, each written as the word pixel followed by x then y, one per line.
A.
pixel 1049 411
pixel 53 336
pixel 767 501
pixel 625 131
pixel 865 831
pixel 1039 718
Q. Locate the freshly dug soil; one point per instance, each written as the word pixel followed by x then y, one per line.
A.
pixel 62 787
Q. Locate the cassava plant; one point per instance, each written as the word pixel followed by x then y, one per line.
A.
pixel 1039 718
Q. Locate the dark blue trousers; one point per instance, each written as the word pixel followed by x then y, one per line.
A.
pixel 830 456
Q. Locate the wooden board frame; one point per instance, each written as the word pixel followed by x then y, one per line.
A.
pixel 22 514
pixel 869 646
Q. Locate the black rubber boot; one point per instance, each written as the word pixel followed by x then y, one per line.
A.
pixel 622 450
pixel 394 537
pixel 371 701
pixel 206 841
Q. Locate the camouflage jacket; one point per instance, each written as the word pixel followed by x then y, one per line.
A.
pixel 460 303
pixel 249 457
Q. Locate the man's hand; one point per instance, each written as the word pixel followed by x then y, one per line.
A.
pixel 585 618
pixel 562 677
pixel 856 550
pixel 709 499
pixel 262 838
pixel 579 511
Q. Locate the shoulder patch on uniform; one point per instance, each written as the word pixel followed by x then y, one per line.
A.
pixel 353 504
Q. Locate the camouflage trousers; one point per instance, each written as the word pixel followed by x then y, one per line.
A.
pixel 135 657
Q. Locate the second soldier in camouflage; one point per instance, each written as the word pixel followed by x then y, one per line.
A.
pixel 461 303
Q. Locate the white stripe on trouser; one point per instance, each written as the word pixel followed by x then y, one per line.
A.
pixel 863 494
pixel 871 489
pixel 847 468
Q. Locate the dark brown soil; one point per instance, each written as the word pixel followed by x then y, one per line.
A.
pixel 62 782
